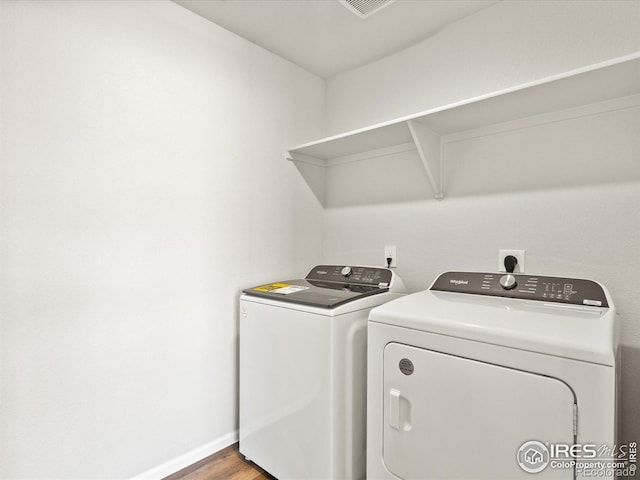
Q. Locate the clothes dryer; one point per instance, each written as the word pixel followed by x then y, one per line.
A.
pixel 490 376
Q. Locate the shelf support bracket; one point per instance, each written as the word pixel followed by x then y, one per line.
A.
pixel 428 145
pixel 313 171
pixel 299 157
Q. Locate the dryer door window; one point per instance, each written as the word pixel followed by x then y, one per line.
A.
pixel 451 417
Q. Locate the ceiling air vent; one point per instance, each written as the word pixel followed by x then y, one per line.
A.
pixel 364 8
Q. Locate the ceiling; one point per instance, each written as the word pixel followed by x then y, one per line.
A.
pixel 326 38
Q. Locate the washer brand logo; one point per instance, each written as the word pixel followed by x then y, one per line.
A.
pixel 459 282
pixel 533 456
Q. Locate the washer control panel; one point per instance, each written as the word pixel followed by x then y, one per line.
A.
pixel 349 274
pixel 572 291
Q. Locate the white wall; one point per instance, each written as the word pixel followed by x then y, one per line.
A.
pixel 507 44
pixel 567 193
pixel 142 185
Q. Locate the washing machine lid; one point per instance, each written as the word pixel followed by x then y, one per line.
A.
pixel 534 323
pixel 327 286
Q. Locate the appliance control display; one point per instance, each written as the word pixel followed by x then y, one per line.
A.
pixel 531 287
pixel 346 273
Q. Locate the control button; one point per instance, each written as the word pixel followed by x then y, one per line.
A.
pixel 594 303
pixel 508 282
pixel 346 271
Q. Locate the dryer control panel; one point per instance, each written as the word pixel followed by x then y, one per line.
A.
pixel 574 291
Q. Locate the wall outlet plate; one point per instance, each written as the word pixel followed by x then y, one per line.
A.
pixel 519 254
pixel 390 251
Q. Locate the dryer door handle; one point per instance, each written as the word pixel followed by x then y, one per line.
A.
pixel 399 411
pixel 394 408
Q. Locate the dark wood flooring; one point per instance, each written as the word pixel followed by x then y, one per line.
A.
pixel 227 464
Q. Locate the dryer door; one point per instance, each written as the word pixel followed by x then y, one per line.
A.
pixel 451 417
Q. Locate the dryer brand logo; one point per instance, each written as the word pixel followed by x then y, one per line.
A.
pixel 459 282
pixel 406 366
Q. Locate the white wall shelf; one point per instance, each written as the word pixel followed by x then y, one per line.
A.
pixel 427 131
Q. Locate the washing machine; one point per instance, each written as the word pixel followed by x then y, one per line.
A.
pixel 303 370
pixel 490 376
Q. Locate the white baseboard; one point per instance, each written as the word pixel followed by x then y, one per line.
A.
pixel 189 458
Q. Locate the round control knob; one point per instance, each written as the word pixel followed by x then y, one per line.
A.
pixel 508 282
pixel 346 271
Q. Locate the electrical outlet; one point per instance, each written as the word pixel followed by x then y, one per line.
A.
pixel 390 252
pixel 519 254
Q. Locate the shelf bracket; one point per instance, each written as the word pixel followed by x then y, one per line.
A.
pixel 313 171
pixel 299 157
pixel 428 145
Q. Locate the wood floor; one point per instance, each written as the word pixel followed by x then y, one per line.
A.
pixel 227 464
